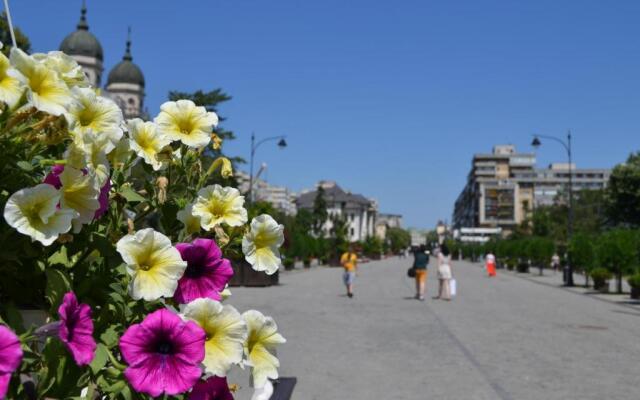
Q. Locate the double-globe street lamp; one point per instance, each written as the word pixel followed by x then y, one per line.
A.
pixel 254 146
pixel 567 146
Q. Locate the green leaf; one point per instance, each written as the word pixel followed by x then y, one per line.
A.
pixel 110 337
pixel 24 165
pixel 131 195
pixel 60 257
pixel 58 284
pixel 100 358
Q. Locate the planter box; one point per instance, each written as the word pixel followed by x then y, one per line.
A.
pixel 635 293
pixel 244 275
pixel 602 287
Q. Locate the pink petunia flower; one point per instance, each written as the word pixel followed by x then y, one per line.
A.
pixel 164 354
pixel 10 357
pixel 214 388
pixel 76 329
pixel 53 179
pixel 207 272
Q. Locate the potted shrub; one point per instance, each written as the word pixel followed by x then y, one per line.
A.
pixel 289 263
pixel 307 262
pixel 600 277
pixel 634 282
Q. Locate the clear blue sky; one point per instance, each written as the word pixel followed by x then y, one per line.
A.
pixel 389 98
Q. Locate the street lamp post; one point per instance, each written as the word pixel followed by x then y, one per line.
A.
pixel 281 144
pixel 567 146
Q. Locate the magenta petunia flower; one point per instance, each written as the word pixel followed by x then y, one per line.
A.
pixel 214 388
pixel 164 354
pixel 10 357
pixel 103 199
pixel 76 329
pixel 207 272
pixel 53 179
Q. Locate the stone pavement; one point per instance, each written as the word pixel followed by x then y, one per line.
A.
pixel 505 338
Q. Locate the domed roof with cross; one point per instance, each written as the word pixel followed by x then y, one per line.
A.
pixel 82 42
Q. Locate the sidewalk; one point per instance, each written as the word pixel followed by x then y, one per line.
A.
pixel 554 279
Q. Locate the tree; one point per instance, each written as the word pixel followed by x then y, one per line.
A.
pixel 5 37
pixel 618 252
pixel 623 192
pixel 319 213
pixel 398 238
pixel 582 254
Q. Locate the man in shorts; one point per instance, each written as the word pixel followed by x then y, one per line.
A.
pixel 349 261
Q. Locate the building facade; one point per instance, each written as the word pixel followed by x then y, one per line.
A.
pixel 282 198
pixel 386 221
pixel 125 82
pixel 359 212
pixel 504 187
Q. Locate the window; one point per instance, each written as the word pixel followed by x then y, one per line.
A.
pixel 353 231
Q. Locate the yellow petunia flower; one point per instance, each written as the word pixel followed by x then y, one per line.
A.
pixel 67 68
pixel 45 90
pixel 226 333
pixel 34 212
pixel 11 88
pixel 190 221
pixel 154 264
pixel 90 112
pixel 261 244
pixel 147 142
pixel 260 347
pixel 79 192
pixel 216 205
pixel 183 120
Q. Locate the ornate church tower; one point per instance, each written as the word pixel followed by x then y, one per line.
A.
pixel 85 48
pixel 125 84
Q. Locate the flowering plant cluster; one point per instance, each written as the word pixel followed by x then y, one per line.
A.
pixel 122 234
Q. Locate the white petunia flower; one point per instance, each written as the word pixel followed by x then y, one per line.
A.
pixel 46 91
pixel 34 212
pixel 190 221
pixel 183 120
pixel 97 114
pixel 226 333
pixel 261 244
pixel 260 347
pixel 67 68
pixel 79 192
pixel 147 142
pixel 11 88
pixel 154 264
pixel 216 205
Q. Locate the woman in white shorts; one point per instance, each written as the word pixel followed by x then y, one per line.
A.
pixel 444 273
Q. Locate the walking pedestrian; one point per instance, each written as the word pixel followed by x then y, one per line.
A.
pixel 555 262
pixel 490 264
pixel 420 262
pixel 444 273
pixel 349 261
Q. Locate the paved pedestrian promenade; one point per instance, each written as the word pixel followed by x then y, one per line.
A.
pixel 505 338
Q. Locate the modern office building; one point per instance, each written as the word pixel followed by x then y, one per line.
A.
pixel 504 186
pixel 359 211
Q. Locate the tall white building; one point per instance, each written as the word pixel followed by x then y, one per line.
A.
pixel 359 212
pixel 125 82
pixel 282 198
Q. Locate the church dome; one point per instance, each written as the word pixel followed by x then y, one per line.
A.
pixel 126 71
pixel 82 42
